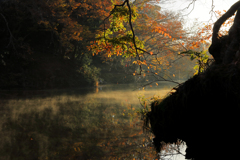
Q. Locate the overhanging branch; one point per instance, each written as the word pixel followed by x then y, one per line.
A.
pixel 222 19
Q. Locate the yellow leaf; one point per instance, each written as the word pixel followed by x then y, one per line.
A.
pixel 173 75
pixel 134 74
pixel 157 84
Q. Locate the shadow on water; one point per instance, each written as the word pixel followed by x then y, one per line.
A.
pixel 101 125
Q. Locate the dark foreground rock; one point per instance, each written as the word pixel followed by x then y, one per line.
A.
pixel 205 110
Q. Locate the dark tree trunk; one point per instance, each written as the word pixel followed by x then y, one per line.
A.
pixel 205 110
pixel 224 49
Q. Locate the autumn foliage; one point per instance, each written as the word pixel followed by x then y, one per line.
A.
pixel 46 37
pixel 153 37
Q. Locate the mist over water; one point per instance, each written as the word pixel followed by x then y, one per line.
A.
pixel 90 123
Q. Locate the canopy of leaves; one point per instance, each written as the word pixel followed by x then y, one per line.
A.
pixel 41 38
pixel 140 30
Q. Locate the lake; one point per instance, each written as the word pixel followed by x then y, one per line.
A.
pixel 78 124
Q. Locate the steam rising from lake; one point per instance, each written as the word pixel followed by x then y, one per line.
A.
pixel 72 124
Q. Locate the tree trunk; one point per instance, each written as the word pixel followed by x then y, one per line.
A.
pixel 204 111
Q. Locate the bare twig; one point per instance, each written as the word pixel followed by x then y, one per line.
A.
pixel 163 80
pixel 212 11
pixel 11 36
pixel 181 56
pixel 192 3
pixel 131 26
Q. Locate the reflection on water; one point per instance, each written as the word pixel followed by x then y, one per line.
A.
pixel 74 126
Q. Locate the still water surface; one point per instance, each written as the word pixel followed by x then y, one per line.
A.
pixel 78 124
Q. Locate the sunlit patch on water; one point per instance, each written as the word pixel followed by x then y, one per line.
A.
pixel 102 125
